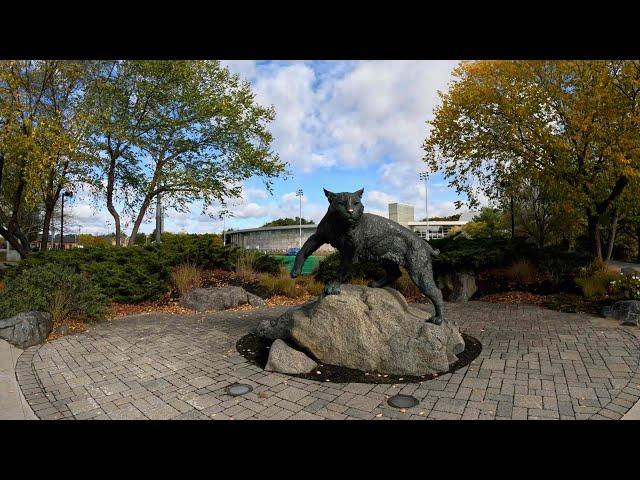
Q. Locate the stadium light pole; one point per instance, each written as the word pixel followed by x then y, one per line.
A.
pixel 425 176
pixel 299 194
pixel 224 237
pixel 67 193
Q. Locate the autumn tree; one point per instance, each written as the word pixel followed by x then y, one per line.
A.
pixel 184 130
pixel 23 132
pixel 570 125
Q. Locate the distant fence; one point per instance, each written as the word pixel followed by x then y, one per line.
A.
pixel 309 266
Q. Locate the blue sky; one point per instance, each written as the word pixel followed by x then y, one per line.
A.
pixel 342 125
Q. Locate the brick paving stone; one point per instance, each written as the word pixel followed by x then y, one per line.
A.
pixel 535 364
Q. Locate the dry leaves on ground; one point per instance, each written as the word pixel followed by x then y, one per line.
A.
pixel 516 297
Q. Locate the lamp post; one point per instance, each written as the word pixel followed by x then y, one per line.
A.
pixel 425 176
pixel 299 194
pixel 224 237
pixel 66 193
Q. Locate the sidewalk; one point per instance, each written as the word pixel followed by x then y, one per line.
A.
pixel 13 406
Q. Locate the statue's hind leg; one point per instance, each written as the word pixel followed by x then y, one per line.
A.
pixel 392 273
pixel 422 276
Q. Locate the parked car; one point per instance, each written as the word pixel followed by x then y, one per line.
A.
pixel 293 251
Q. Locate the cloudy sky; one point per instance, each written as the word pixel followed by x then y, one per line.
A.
pixel 342 125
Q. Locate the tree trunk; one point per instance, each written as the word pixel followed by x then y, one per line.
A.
pixel 15 242
pixel 598 243
pixel 139 218
pixel 612 235
pixel 111 177
pixel 638 237
pixel 50 205
pixel 593 231
pixel 513 220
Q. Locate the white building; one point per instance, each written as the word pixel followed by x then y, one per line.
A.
pixel 404 215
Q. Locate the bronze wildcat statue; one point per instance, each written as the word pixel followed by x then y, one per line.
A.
pixel 364 236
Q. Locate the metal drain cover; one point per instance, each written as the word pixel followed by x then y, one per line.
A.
pixel 403 401
pixel 238 389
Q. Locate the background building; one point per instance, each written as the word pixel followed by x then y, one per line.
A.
pixel 401 213
pixel 274 239
pixel 404 215
pixel 280 239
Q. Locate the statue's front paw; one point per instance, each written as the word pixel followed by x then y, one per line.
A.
pixel 436 320
pixel 332 288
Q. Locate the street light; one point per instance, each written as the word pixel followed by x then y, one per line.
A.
pixel 67 193
pixel 224 237
pixel 425 176
pixel 299 194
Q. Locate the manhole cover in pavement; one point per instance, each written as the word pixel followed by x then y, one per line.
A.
pixel 403 401
pixel 238 389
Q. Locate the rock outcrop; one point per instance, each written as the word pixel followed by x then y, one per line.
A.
pixel 26 329
pixel 202 299
pixel 370 329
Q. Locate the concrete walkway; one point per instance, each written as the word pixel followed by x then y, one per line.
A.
pixel 13 406
pixel 534 364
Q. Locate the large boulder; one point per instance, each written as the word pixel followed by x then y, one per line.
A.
pixel 201 299
pixel 627 311
pixel 370 329
pixel 284 359
pixel 457 286
pixel 26 329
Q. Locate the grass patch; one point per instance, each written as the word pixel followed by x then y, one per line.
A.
pixel 185 277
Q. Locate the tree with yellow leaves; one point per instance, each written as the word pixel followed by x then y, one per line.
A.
pixel 572 126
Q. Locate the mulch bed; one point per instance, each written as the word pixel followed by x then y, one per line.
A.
pixel 256 350
pixel 562 302
pixel 517 297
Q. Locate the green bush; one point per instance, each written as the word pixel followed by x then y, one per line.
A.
pixel 124 275
pixel 328 269
pixel 140 272
pixel 626 286
pixel 267 264
pixel 596 283
pixel 458 253
pixel 52 288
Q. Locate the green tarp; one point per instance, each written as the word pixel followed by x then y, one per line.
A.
pixel 309 265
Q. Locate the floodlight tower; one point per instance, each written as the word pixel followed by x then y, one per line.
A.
pixel 299 194
pixel 425 176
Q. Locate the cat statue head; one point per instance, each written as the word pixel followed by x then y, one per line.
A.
pixel 345 205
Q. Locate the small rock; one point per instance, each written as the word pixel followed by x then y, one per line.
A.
pixel 457 286
pixel 284 359
pixel 627 311
pixel 219 298
pixel 62 329
pixel 26 329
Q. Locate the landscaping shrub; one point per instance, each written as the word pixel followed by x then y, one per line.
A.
pixel 406 286
pixel 137 273
pixel 267 264
pixel 55 289
pixel 595 279
pixel 185 277
pixel 124 275
pixel 520 271
pixel 311 285
pixel 328 269
pixel 626 286
pixel 281 284
pixel 458 253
